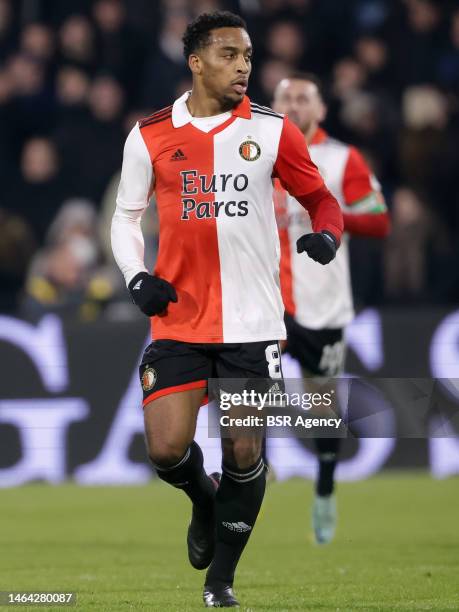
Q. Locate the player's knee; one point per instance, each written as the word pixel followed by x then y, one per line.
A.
pixel 245 452
pixel 166 454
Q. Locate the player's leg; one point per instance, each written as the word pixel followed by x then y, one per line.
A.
pixel 320 354
pixel 243 480
pixel 170 414
pixel 324 512
pixel 170 423
pixel 238 502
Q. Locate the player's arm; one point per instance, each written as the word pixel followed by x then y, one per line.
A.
pixel 301 178
pixel 150 293
pixel 366 212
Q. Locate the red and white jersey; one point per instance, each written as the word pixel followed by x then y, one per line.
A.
pixel 218 242
pixel 317 296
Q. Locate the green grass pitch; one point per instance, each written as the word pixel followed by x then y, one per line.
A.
pixel 397 548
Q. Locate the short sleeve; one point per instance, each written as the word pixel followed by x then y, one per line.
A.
pixel 294 167
pixel 136 173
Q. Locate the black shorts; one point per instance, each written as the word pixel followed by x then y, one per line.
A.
pixel 169 366
pixel 319 351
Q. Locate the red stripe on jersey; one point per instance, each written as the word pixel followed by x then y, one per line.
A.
pixel 294 167
pixel 286 277
pixel 188 255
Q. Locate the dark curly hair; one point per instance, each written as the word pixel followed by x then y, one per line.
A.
pixel 196 35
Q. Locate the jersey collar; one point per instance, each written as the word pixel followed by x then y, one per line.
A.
pixel 181 115
pixel 320 135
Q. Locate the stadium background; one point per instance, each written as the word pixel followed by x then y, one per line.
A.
pixel 74 77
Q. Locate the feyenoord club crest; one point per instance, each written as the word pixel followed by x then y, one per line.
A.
pixel 149 379
pixel 249 150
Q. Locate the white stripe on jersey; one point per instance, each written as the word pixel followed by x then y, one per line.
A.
pixel 249 252
pixel 322 294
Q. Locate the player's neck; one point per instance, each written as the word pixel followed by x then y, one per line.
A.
pixel 310 132
pixel 200 104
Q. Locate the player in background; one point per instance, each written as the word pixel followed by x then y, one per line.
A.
pixel 318 300
pixel 214 296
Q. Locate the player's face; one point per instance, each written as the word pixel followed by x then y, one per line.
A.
pixel 226 64
pixel 301 101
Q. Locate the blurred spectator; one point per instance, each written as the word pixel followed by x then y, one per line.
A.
pixel 26 75
pixel 373 55
pixel 92 149
pixel 76 225
pixel 72 87
pixel 110 16
pixel 121 50
pixel 361 114
pixel 38 192
pixel 37 41
pixel 77 45
pixel 419 42
pixel 348 77
pixel 405 253
pixel 425 115
pixel 429 156
pixel 32 106
pixel 286 43
pixel 106 99
pixel 166 64
pixel 67 275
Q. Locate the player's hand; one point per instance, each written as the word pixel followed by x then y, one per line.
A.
pixel 151 293
pixel 320 246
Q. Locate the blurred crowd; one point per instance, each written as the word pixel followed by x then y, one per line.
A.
pixel 75 76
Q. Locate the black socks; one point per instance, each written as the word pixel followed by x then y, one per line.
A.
pixel 238 502
pixel 327 452
pixel 189 475
pixel 234 507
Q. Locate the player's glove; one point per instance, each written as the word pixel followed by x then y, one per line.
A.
pixel 320 246
pixel 151 293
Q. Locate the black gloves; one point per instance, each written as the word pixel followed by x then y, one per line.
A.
pixel 151 293
pixel 320 246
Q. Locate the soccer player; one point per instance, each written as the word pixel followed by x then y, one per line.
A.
pixel 318 300
pixel 214 297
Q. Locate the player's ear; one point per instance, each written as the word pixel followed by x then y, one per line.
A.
pixel 195 63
